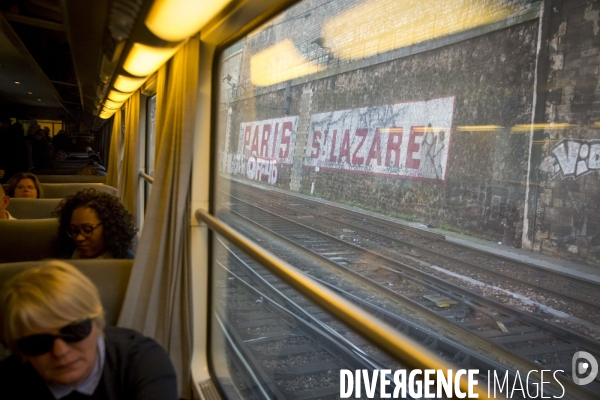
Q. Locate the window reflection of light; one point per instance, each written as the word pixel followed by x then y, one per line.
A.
pixel 549 126
pixel 393 24
pixel 479 128
pixel 279 63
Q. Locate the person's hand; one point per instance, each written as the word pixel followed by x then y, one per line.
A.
pixel 1 173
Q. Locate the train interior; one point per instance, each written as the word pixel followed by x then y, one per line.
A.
pixel 332 197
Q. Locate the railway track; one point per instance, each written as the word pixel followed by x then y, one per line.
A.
pixel 526 340
pixel 286 344
pixel 549 290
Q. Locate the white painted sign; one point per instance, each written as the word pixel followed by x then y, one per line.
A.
pixel 269 139
pixel 405 140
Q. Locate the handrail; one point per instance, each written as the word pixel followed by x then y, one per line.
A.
pixel 405 350
pixel 146 177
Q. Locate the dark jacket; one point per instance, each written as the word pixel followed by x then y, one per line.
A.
pixel 135 367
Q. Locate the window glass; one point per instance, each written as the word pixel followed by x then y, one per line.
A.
pixel 437 164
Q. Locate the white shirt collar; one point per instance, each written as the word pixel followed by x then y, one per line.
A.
pixel 91 383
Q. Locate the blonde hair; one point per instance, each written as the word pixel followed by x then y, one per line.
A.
pixel 50 296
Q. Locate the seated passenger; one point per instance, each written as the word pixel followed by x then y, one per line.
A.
pixel 24 185
pixel 53 323
pixel 94 225
pixel 4 200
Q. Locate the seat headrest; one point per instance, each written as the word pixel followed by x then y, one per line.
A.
pixel 61 190
pixel 28 239
pixel 32 208
pixel 111 277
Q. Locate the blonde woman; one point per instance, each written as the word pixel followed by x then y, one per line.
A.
pixel 53 323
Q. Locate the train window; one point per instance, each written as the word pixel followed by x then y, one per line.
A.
pixel 434 163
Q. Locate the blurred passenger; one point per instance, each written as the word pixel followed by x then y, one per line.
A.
pixel 53 323
pixel 61 141
pixel 24 185
pixel 42 150
pixel 93 155
pixel 94 225
pixel 4 200
pixel 32 127
pixel 13 150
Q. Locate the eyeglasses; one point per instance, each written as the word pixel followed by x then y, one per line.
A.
pixel 86 231
pixel 36 345
pixel 21 187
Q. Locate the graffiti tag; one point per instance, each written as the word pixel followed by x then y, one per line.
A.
pixel 573 158
pixel 259 168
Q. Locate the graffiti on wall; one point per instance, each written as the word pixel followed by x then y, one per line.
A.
pixel 573 158
pixel 262 169
pixel 407 140
pixel 272 138
pixel 262 146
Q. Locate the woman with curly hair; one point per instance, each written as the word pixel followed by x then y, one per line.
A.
pixel 24 186
pixel 94 225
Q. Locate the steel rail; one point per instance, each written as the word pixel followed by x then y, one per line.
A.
pixel 397 345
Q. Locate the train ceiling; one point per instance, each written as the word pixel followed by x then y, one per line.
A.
pixel 39 76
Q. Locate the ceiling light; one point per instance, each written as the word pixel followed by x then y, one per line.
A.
pixel 115 95
pixel 113 104
pixel 39 99
pixel 143 60
pixel 30 92
pixel 126 84
pixel 17 82
pixel 175 20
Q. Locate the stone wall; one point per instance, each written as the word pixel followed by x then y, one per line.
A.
pixel 565 209
pixel 503 78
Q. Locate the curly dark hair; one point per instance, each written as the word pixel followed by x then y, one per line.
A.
pixel 117 222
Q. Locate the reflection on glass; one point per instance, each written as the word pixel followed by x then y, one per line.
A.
pixel 436 163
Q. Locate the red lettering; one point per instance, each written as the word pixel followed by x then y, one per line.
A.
pixel 393 144
pixel 414 145
pixel 285 140
pixel 316 144
pixel 254 148
pixel 345 148
pixel 375 150
pixel 247 133
pixel 274 140
pixel 361 133
pixel 264 146
pixel 332 156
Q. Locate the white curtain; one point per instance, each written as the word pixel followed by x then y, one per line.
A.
pixel 116 152
pixel 128 187
pixel 158 299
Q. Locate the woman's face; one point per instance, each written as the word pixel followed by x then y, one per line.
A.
pixel 67 364
pixel 25 189
pixel 89 245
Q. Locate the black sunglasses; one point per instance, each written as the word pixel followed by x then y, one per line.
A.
pixel 36 345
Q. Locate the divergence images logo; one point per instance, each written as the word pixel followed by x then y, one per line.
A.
pixel 581 367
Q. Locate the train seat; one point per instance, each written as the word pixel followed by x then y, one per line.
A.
pixel 61 190
pixel 32 208
pixel 28 239
pixel 72 178
pixel 110 276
